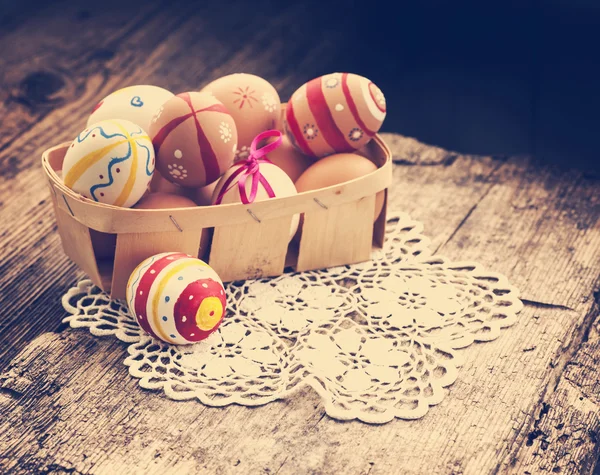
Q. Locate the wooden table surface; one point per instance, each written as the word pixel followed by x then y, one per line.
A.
pixel 526 403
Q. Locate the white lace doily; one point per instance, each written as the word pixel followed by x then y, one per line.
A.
pixel 375 340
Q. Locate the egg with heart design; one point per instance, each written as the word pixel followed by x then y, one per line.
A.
pixel 137 104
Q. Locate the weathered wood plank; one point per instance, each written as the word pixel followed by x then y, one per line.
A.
pixel 489 413
pixel 565 437
pixel 49 87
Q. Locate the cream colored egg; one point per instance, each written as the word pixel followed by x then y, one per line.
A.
pixel 111 162
pixel 278 180
pixel 253 103
pixel 137 104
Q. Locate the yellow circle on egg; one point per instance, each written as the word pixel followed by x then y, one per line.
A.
pixel 209 313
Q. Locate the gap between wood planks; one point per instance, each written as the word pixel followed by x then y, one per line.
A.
pixel 562 438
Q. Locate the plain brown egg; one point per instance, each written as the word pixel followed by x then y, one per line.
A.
pixel 169 200
pixel 203 196
pixel 160 184
pixel 336 169
pixel 290 160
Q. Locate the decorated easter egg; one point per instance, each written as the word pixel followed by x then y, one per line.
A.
pixel 160 200
pixel 137 104
pixel 290 159
pixel 194 138
pixel 111 162
pixel 336 169
pixel 335 113
pixel 176 298
pixel 253 103
pixel 272 182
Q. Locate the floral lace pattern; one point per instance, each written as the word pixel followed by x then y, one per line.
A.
pixel 375 340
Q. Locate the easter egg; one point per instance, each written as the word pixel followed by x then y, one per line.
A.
pixel 227 190
pixel 111 162
pixel 253 103
pixel 203 196
pixel 334 113
pixel 290 160
pixel 160 184
pixel 137 104
pixel 161 200
pixel 194 138
pixel 176 298
pixel 336 169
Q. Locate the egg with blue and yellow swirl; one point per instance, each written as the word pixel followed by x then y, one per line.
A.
pixel 176 298
pixel 111 162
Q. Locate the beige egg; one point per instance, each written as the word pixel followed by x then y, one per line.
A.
pixel 194 138
pixel 253 103
pixel 137 104
pixel 336 169
pixel 277 179
pixel 334 113
pixel 290 160
pixel 169 200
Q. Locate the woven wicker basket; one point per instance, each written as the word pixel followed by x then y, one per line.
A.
pixel 249 241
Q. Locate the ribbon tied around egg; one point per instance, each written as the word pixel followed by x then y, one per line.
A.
pixel 249 169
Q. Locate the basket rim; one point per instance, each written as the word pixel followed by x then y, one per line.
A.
pixel 114 219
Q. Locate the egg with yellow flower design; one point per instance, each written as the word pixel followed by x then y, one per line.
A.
pixel 176 298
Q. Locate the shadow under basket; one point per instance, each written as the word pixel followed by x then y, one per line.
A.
pixel 249 241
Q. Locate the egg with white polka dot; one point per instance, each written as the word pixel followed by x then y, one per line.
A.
pixel 335 113
pixel 137 104
pixel 176 298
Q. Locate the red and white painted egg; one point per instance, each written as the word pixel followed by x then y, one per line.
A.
pixel 335 113
pixel 195 139
pixel 111 162
pixel 176 298
pixel 253 103
pixel 137 104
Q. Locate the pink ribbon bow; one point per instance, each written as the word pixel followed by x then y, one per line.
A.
pixel 249 169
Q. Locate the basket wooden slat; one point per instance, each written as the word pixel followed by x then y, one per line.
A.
pixel 249 241
pixel 337 235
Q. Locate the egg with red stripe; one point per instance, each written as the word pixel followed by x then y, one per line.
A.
pixel 335 113
pixel 194 138
pixel 176 298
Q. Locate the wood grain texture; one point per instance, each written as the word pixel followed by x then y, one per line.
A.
pixel 250 250
pixel 337 235
pixel 75 55
pixel 526 403
pixel 515 408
